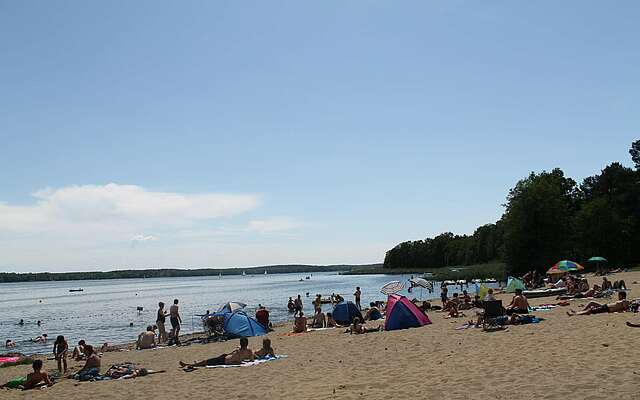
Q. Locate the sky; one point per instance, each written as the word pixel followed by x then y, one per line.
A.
pixel 221 133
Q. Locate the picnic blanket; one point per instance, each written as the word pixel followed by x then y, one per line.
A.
pixel 250 363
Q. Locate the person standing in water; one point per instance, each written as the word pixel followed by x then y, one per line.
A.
pixel 174 317
pixel 357 296
pixel 160 320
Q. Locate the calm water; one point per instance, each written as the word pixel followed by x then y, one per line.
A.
pixel 103 312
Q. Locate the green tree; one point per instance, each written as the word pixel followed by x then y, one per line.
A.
pixel 635 153
pixel 538 221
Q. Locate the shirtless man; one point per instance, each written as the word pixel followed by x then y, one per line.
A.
pixel 37 377
pixel 300 323
pixel 91 367
pixel 146 340
pixel 357 294
pixel 236 357
pixel 266 350
pixel 174 317
pixel 596 308
pixel 518 305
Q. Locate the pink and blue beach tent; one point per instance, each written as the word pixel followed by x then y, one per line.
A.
pixel 239 324
pixel 345 311
pixel 403 314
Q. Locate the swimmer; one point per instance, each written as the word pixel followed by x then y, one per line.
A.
pixel 9 343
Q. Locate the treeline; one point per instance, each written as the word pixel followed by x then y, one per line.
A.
pixel 548 217
pixel 6 277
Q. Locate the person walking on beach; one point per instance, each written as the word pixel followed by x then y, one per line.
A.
pixel 60 350
pixel 160 320
pixel 174 317
pixel 357 296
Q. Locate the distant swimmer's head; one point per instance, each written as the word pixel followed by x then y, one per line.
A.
pixel 37 365
pixel 175 301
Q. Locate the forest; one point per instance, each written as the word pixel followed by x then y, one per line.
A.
pixel 548 217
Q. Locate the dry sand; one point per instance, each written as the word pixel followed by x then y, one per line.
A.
pixel 581 357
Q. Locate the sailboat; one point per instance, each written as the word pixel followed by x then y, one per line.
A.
pixel 265 272
pixel 220 275
pixel 243 273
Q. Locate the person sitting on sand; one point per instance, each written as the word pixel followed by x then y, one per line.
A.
pixel 37 378
pixel 266 350
pixel 331 323
pixel 146 340
pixel 490 296
pixel 596 308
pixel 589 293
pixel 452 306
pixel 319 320
pixel 300 323
pixel 373 313
pixel 60 350
pixel 9 343
pixel 619 285
pixel 606 284
pixel 105 347
pixel 519 304
pixel 358 328
pixel 91 368
pixel 78 351
pixel 476 303
pixel 236 357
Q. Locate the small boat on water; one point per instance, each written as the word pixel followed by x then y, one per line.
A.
pixel 77 290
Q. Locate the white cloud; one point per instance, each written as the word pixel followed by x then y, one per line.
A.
pixel 275 224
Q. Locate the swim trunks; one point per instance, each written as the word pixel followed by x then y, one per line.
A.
pixel 174 322
pixel 217 360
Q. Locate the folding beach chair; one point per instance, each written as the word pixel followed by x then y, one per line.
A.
pixel 492 310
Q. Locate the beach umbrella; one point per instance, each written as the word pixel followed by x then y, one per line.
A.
pixel 231 307
pixel 421 282
pixel 391 287
pixel 564 266
pixel 597 259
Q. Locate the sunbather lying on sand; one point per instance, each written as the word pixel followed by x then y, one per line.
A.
pixel 358 328
pixel 596 308
pixel 243 353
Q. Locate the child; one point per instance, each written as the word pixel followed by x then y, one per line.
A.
pixel 60 349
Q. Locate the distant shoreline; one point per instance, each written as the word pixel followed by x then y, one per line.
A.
pixel 11 277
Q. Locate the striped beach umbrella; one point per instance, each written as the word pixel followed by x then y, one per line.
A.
pixel 391 287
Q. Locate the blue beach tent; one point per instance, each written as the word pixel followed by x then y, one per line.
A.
pixel 345 311
pixel 239 324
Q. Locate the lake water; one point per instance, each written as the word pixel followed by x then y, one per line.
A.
pixel 104 310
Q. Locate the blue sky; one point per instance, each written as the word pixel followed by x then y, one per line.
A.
pixel 153 133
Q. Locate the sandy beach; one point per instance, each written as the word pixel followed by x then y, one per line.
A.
pixel 580 357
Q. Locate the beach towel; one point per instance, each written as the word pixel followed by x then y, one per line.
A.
pixel 544 307
pixel 8 359
pixel 250 363
pixel 15 382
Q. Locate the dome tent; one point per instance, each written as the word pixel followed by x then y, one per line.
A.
pixel 345 311
pixel 403 314
pixel 239 324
